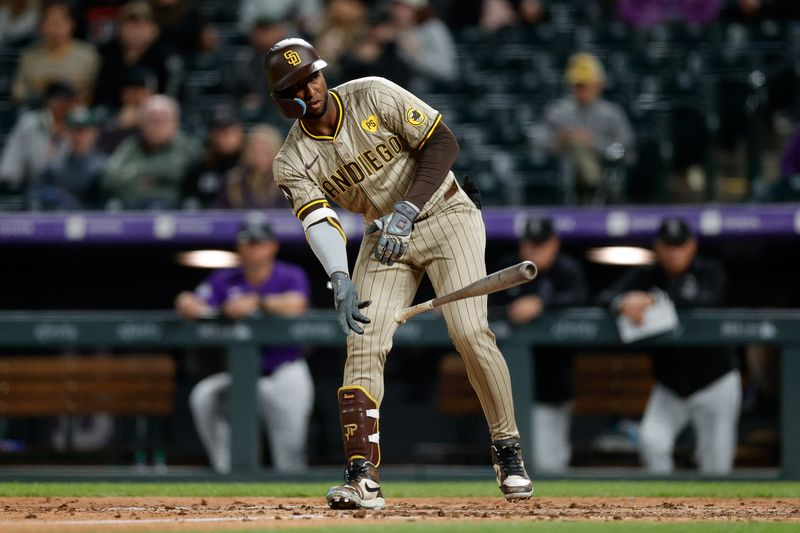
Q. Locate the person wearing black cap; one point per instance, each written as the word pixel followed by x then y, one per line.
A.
pixel 205 179
pixel 38 137
pixel 137 86
pixel 699 385
pixel 72 180
pixel 261 284
pixel 561 283
pixel 136 46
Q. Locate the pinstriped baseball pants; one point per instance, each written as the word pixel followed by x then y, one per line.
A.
pixel 449 245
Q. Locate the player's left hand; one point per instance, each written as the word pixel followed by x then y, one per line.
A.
pixel 395 231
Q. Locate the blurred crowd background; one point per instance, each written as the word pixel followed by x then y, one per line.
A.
pixel 161 105
pixel 680 101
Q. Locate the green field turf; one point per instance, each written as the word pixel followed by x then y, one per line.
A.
pixel 404 489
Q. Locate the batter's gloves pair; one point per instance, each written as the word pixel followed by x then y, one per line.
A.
pixel 395 231
pixel 348 307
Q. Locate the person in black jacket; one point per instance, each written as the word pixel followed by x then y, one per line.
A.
pixel 560 283
pixel 697 385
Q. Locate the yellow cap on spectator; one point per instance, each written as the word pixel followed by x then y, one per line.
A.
pixel 584 68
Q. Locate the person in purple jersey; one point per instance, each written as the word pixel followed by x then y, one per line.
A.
pixel 285 391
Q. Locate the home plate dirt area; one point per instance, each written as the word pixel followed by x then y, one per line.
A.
pixel 192 513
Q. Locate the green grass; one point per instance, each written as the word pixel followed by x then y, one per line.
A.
pixel 404 489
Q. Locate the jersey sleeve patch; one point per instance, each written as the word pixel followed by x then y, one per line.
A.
pixel 415 117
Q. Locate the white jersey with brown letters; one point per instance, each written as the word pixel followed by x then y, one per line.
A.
pixel 366 166
pixel 369 163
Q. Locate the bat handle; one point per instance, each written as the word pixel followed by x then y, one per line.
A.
pixel 401 315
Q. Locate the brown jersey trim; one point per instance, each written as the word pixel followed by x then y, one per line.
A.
pixel 339 106
pixel 313 205
pixel 433 165
pixel 430 132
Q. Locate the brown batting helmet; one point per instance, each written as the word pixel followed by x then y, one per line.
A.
pixel 288 62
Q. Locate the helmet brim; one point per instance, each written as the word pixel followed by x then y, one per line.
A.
pixel 298 74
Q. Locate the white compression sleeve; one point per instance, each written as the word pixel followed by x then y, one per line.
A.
pixel 328 246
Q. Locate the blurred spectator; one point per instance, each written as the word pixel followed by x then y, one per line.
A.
pixel 560 283
pixel 646 13
pixel 97 20
pixel 18 20
pixel 136 46
pixel 58 56
pixel 285 390
pixel 345 23
pixel 757 10
pixel 250 86
pixel 412 42
pixel 303 14
pixel 496 15
pixel 72 180
pixel 588 132
pixel 38 137
pixel 530 12
pixel 206 177
pixel 180 24
pixel 137 86
pixel 146 171
pixel 697 385
pixel 251 185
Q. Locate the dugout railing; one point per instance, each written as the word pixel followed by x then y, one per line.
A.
pixel 583 327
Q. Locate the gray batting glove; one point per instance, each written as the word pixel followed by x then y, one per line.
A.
pixel 395 232
pixel 348 307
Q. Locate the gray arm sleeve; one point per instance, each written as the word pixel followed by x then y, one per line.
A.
pixel 328 246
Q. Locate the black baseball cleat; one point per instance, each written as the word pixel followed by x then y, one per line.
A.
pixel 509 468
pixel 361 488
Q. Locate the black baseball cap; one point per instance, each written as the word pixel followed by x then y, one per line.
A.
pixel 255 230
pixel 538 229
pixel 674 231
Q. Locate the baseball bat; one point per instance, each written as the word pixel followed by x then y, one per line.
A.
pixel 497 281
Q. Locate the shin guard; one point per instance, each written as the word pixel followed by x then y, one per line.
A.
pixel 358 413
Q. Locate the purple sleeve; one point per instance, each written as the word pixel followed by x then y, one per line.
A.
pixel 213 290
pixel 640 13
pixel 297 281
pixel 701 11
pixel 790 159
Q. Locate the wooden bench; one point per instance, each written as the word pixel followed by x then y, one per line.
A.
pixel 603 385
pixel 140 385
pixel 617 385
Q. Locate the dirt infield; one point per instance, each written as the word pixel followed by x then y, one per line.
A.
pixel 143 514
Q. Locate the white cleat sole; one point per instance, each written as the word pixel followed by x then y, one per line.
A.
pixel 345 500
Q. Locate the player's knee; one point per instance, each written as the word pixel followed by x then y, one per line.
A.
pixel 200 398
pixel 471 335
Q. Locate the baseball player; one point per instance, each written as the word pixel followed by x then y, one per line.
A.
pixel 697 385
pixel 285 389
pixel 375 149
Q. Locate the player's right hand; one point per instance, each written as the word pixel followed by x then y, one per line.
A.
pixel 348 307
pixel 395 231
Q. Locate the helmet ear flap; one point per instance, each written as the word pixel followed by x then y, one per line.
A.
pixel 290 107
